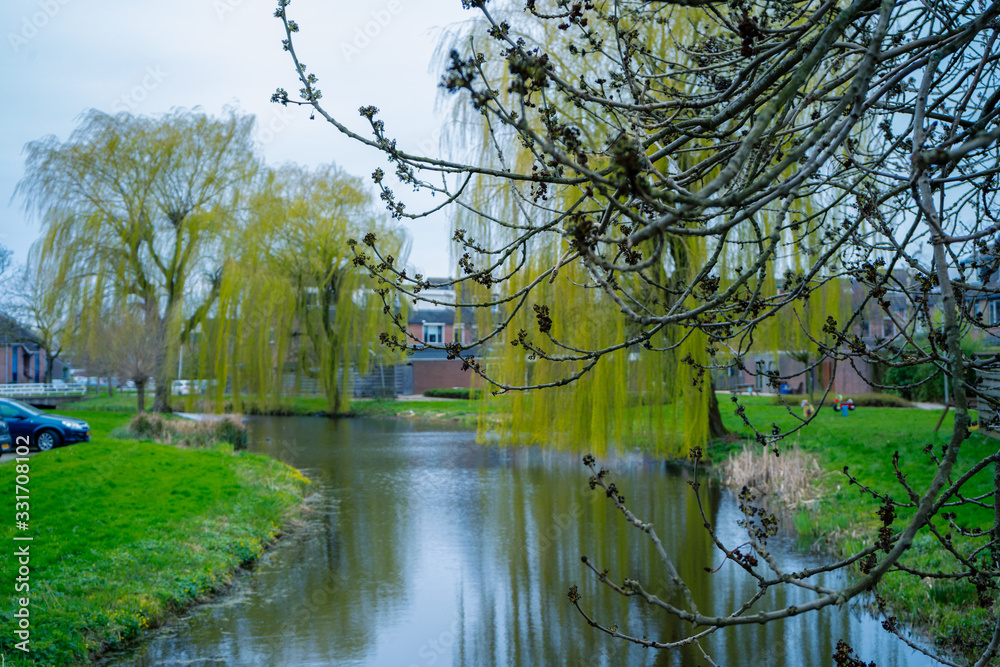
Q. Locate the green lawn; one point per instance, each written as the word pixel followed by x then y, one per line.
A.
pixel 845 518
pixel 466 411
pixel 127 532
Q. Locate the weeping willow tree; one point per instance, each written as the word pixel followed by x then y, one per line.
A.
pixel 136 209
pixel 694 180
pixel 619 398
pixel 608 179
pixel 292 302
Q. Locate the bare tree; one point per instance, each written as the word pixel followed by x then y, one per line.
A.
pixel 789 149
pixel 136 343
pixel 46 308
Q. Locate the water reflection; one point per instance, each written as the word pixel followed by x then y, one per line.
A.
pixel 422 548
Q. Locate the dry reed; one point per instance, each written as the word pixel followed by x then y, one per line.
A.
pixel 186 432
pixel 789 478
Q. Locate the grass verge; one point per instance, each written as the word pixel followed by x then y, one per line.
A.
pixel 464 411
pixel 843 519
pixel 127 533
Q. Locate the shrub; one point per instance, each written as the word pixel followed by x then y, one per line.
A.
pixel 231 429
pixel 186 432
pixel 931 387
pixel 454 392
pixel 146 426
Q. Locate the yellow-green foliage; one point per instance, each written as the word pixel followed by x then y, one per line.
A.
pixel 589 413
pixel 292 292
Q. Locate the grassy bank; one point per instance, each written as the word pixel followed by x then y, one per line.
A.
pixel 465 411
pixel 844 519
pixel 128 532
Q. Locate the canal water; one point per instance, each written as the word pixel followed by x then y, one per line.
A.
pixel 422 548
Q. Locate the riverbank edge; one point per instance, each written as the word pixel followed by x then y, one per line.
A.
pixel 827 527
pixel 824 523
pixel 276 488
pixel 231 579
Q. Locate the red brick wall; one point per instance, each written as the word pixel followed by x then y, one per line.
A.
pixel 440 373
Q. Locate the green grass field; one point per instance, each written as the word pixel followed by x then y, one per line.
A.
pixel 844 518
pixel 127 532
pixel 466 411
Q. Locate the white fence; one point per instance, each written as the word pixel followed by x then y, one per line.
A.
pixel 14 390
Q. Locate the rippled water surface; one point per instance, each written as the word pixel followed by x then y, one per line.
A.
pixel 422 548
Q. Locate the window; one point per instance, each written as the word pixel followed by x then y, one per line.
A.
pixel 994 312
pixel 888 328
pixel 866 329
pixel 458 333
pixel 10 411
pixel 433 333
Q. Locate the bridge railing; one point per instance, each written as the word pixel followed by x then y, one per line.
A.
pixel 15 390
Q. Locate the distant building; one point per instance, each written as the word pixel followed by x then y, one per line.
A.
pixel 22 360
pixel 874 326
pixel 439 324
pixel 982 297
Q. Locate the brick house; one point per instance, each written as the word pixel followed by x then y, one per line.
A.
pixel 439 324
pixel 873 326
pixel 22 361
pixel 982 298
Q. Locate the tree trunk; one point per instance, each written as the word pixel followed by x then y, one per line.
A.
pixel 716 430
pixel 140 392
pixel 161 372
pixel 161 395
pixel 111 388
pixel 49 363
pixel 812 385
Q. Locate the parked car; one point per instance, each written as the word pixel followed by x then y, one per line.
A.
pixel 6 443
pixel 188 387
pixel 180 387
pixel 43 430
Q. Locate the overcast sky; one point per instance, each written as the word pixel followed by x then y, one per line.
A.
pixel 59 58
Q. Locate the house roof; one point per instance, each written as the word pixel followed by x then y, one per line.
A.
pixel 14 333
pixel 432 354
pixel 434 315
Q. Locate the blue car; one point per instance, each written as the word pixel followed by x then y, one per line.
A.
pixel 43 430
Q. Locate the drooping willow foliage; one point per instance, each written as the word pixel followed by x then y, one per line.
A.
pixel 292 290
pixel 245 267
pixel 619 399
pixel 701 181
pixel 134 209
